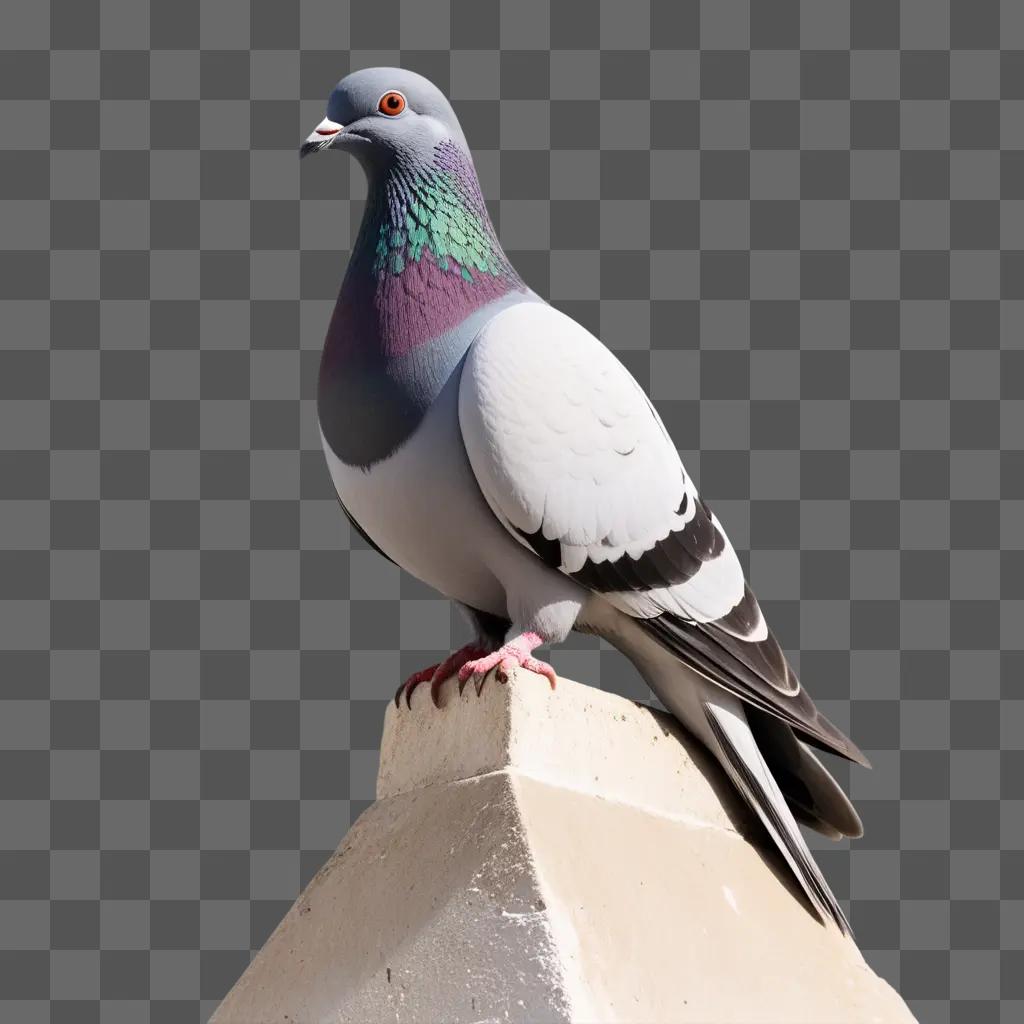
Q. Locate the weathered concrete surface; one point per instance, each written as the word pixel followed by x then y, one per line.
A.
pixel 538 856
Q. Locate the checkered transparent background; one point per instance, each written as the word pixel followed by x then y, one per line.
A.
pixel 801 226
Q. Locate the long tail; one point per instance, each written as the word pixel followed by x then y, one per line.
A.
pixel 775 773
pixel 746 766
pixel 814 797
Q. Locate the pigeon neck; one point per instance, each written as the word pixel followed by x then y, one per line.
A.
pixel 426 256
pixel 427 271
pixel 434 211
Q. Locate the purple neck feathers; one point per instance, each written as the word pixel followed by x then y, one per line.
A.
pixel 425 258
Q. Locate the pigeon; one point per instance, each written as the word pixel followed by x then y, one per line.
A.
pixel 496 450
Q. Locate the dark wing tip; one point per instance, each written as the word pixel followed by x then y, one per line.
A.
pixel 841 743
pixel 747 670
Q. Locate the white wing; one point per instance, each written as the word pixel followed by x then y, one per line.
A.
pixel 569 451
pixel 575 462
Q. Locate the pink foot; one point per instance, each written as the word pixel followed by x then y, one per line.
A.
pixel 515 653
pixel 437 674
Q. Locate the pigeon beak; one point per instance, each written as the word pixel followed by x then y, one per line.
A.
pixel 321 138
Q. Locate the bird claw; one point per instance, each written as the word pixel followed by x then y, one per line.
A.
pixel 515 654
pixel 475 662
pixel 437 674
pixel 450 666
pixel 412 682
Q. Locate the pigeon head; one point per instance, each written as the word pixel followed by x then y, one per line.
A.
pixel 425 218
pixel 383 114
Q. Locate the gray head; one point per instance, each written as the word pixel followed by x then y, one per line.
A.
pixel 378 114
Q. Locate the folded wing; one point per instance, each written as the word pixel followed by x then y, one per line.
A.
pixel 576 463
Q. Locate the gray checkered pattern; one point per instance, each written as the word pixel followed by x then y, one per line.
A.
pixel 801 226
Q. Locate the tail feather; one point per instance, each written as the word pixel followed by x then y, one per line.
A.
pixel 733 731
pixel 749 772
pixel 811 820
pixel 814 797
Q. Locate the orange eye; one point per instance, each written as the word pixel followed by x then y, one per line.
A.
pixel 391 103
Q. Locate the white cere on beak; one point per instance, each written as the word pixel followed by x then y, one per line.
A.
pixel 321 137
pixel 327 127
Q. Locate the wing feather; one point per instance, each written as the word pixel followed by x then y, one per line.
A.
pixel 576 463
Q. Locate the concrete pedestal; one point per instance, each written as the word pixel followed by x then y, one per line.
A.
pixel 538 856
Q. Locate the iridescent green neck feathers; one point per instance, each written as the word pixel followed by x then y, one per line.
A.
pixel 437 212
